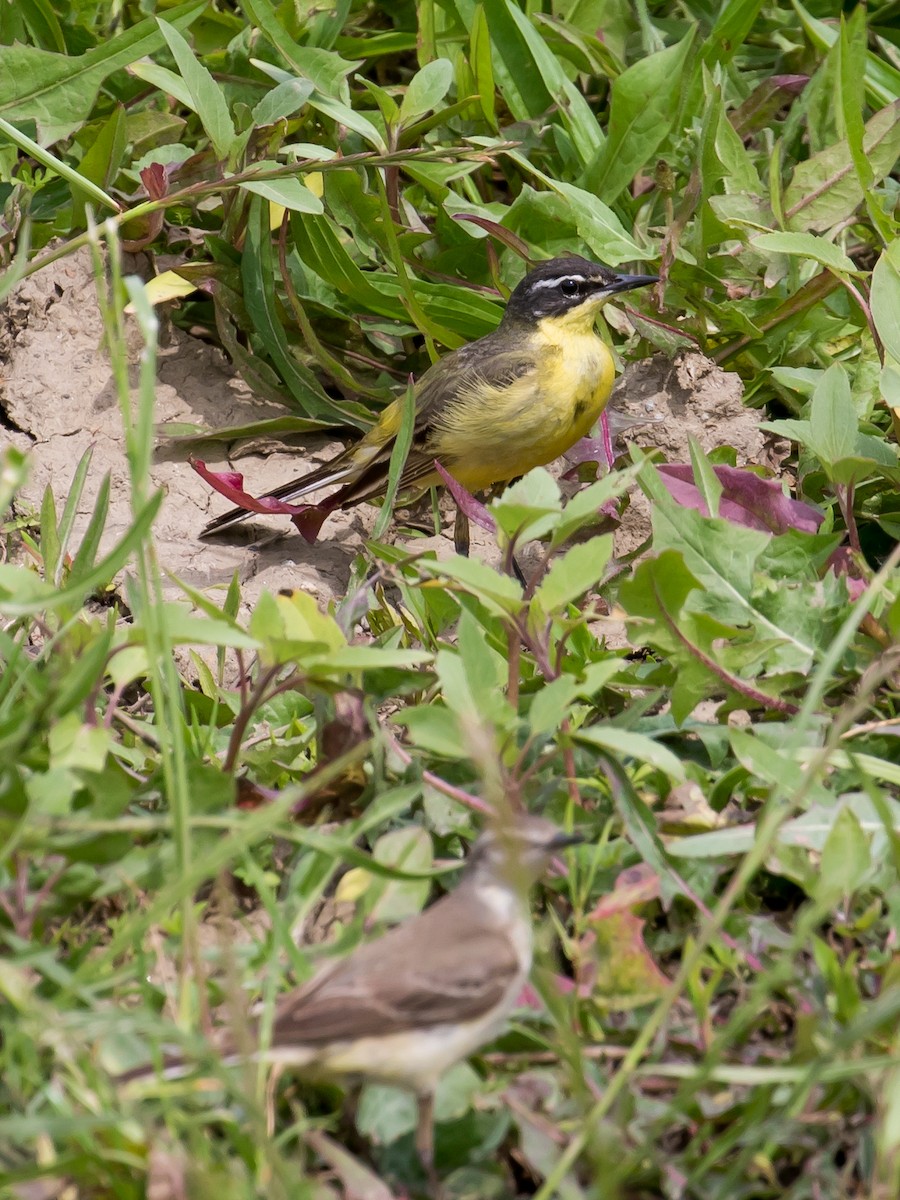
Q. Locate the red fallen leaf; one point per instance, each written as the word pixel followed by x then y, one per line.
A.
pixel 615 966
pixel 746 499
pixel 466 502
pixel 307 518
pixel 635 885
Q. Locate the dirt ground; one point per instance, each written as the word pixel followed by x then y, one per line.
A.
pixel 57 398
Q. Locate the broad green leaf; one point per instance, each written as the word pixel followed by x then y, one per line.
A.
pixel 102 160
pixel 574 109
pixel 529 508
pixel 595 221
pixel 283 101
pixel 325 69
pixel 426 90
pixel 408 850
pixel 501 594
pixel 806 245
pixel 290 193
pixel 165 80
pixel 725 566
pixel 433 728
pixel 571 575
pixel 207 98
pixel 886 299
pixel 625 743
pixel 643 107
pixel 832 418
pixel 845 857
pixel 825 189
pixel 57 91
pixel 515 70
pixel 482 67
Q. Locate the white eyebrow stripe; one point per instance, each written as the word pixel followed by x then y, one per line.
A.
pixel 557 280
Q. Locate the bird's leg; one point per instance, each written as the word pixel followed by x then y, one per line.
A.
pixel 425 1141
pixel 461 533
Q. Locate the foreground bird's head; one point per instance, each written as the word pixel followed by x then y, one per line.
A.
pixel 518 851
pixel 569 287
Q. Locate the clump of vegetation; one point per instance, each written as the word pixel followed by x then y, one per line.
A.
pixel 350 191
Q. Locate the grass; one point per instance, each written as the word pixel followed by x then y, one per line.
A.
pixel 717 980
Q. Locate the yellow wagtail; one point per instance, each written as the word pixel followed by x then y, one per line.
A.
pixel 491 410
pixel 406 1007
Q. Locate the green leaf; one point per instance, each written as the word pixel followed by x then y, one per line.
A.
pixel 472 679
pixel 81 185
pixel 845 858
pixel 290 193
pixel 595 221
pixel 257 271
pixel 825 189
pixel 625 743
pixel 574 109
pixel 207 99
pixel 433 728
pixel 725 566
pixel 806 245
pixel 283 101
pixel 501 594
pixel 886 299
pixel 833 425
pixel 327 70
pixel 57 91
pixel 102 160
pixel 481 64
pixel 426 90
pixel 705 478
pixel 571 575
pixel 515 70
pixel 21 592
pixel 529 508
pixel 409 850
pixel 643 107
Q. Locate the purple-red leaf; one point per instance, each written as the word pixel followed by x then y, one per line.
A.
pixel 466 502
pixel 746 499
pixel 307 518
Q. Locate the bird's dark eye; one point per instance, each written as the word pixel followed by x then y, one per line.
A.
pixel 569 287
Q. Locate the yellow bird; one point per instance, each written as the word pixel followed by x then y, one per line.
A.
pixel 491 410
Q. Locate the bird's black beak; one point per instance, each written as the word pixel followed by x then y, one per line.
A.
pixel 561 840
pixel 624 283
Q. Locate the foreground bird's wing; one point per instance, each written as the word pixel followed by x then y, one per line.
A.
pixel 363 467
pixel 398 983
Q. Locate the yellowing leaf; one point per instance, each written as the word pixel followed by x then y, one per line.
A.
pixel 352 885
pixel 167 286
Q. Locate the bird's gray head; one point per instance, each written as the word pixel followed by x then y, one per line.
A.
pixel 518 851
pixel 563 285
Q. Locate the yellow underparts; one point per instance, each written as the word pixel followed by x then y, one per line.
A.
pixel 495 434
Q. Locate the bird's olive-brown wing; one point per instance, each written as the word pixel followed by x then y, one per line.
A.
pixel 418 975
